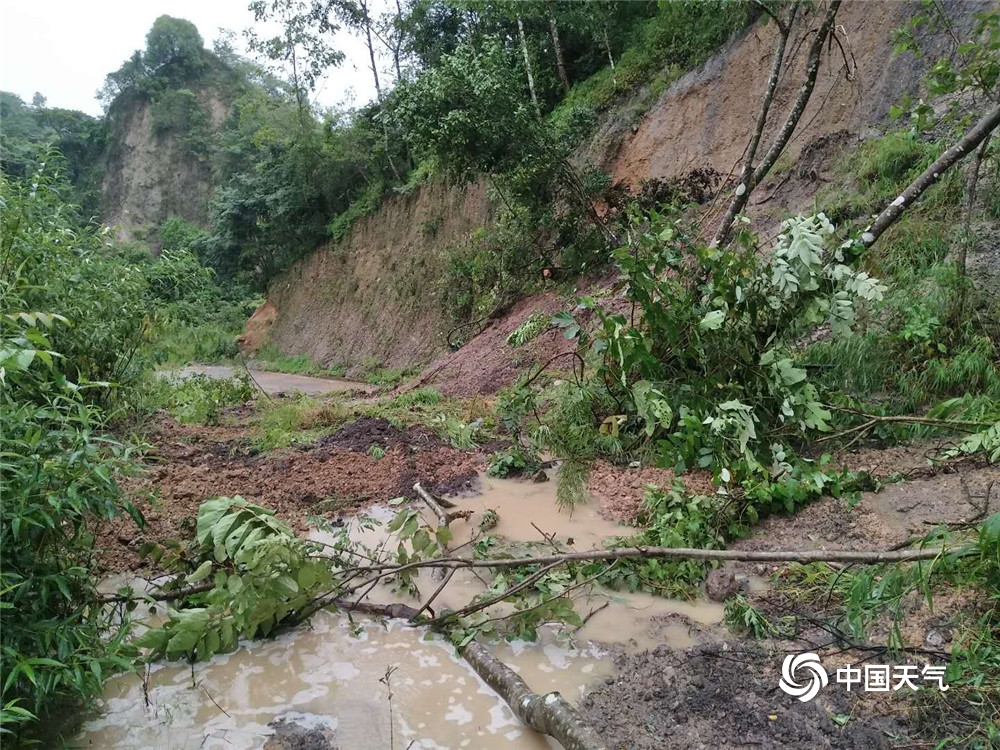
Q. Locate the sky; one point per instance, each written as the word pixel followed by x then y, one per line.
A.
pixel 64 48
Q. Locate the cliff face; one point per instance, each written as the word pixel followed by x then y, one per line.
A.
pixel 365 297
pixel 707 117
pixel 153 170
pixel 374 295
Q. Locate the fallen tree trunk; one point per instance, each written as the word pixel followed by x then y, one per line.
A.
pixel 869 557
pixel 438 507
pixel 971 140
pixel 549 714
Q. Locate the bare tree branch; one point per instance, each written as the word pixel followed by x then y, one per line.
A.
pixel 930 176
pixel 750 176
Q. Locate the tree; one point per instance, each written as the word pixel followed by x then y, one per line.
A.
pixel 560 63
pixel 527 66
pixel 38 101
pixel 302 49
pixel 129 76
pixel 752 176
pixel 175 42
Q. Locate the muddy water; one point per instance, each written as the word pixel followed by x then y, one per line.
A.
pixel 330 675
pixel 274 382
pixel 327 676
pixel 529 509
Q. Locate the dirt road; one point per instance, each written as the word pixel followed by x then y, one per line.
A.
pixel 275 382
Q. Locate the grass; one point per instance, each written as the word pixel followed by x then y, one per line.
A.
pixel 182 344
pixel 279 423
pixel 374 373
pixel 273 359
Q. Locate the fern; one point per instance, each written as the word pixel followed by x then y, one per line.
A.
pixel 529 330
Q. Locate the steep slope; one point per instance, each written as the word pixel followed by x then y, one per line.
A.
pixel 357 300
pixel 374 295
pixel 157 163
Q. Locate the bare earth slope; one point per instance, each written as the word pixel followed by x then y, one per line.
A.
pixel 375 294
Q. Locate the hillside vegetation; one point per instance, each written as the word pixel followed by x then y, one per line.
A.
pixel 684 336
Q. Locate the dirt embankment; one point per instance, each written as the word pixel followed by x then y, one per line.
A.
pixel 376 293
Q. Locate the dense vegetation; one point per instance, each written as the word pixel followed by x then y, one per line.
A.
pixel 713 366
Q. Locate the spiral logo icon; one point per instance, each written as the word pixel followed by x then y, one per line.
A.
pixel 816 676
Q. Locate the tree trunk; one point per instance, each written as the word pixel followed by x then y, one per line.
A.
pixel 371 50
pixel 611 59
pixel 931 175
pixel 742 194
pixel 551 714
pixel 398 40
pixel 527 66
pixel 772 84
pixel 560 63
pixel 971 188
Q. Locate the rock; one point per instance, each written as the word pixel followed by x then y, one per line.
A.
pixel 540 476
pixel 292 734
pixel 721 584
pixel 934 639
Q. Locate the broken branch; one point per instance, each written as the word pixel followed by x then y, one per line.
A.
pixel 930 176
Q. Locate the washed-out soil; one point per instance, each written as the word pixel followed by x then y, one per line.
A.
pixel 723 692
pixel 189 464
pixel 723 695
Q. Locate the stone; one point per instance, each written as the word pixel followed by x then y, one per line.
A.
pixel 721 584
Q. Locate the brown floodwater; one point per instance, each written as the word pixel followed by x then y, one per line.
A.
pixel 327 675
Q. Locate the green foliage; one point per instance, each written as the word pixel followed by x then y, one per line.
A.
pixel 199 399
pixel 178 111
pixel 744 617
pixel 533 327
pixel 269 357
pixel 425 396
pixel 470 112
pixel 174 42
pixel 30 133
pixel 514 462
pixel 68 314
pixel 461 435
pixel 376 374
pixel 292 420
pixel 49 260
pixel 678 37
pixel 674 518
pixel 262 575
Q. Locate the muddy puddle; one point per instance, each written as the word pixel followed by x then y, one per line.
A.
pixel 326 677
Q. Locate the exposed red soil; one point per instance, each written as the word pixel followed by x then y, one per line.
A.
pixel 621 490
pixel 189 465
pixel 487 363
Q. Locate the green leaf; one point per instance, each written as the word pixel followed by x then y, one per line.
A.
pixel 712 321
pixel 201 573
pixel 183 641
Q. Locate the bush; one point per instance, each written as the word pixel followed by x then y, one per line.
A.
pixel 71 315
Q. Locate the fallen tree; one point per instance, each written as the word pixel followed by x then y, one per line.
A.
pixel 265 577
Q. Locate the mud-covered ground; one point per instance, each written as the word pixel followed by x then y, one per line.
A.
pixel 189 464
pixel 722 691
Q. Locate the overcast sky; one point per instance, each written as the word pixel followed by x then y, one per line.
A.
pixel 64 48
